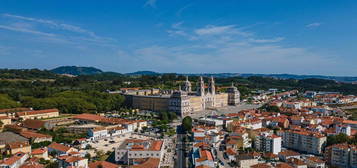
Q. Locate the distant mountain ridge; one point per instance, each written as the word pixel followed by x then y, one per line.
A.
pixel 137 73
pixel 348 79
pixel 74 70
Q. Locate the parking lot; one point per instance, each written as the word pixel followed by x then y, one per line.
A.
pixel 110 143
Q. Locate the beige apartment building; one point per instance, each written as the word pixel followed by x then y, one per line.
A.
pixel 38 114
pixel 304 141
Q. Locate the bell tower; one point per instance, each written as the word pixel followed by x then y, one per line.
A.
pixel 201 87
pixel 211 86
pixel 187 87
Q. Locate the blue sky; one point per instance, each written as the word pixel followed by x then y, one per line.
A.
pixel 186 36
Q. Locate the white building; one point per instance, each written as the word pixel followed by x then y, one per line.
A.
pixel 98 133
pixel 138 149
pixel 268 143
pixel 202 157
pixel 66 161
pixel 345 129
pixel 15 161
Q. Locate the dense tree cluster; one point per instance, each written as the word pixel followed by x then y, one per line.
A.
pixel 341 138
pixel 269 108
pixel 88 93
pixel 187 123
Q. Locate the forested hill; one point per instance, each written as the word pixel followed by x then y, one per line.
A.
pixel 74 70
pixel 26 74
pixel 88 93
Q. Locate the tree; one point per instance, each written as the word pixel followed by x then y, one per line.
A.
pixel 88 156
pixel 269 108
pixel 187 123
pixel 336 139
pixel 52 165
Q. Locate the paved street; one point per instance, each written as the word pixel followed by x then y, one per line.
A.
pixel 181 159
pixel 220 157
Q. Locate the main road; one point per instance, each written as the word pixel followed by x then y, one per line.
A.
pixel 180 148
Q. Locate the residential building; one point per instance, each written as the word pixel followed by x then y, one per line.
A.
pixel 60 149
pixel 231 154
pixel 133 149
pixel 202 157
pixel 146 163
pixel 297 163
pixel 246 160
pixel 315 162
pixel 15 147
pixel 33 124
pixel 5 120
pixel 35 137
pixel 38 114
pixel 98 133
pixel 304 141
pixel 343 155
pixel 268 143
pixel 103 164
pixel 40 153
pixel 66 161
pixel 11 113
pixel 14 161
pixel 287 154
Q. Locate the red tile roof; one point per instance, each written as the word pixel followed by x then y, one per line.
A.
pixel 156 145
pixel 230 151
pixel 150 163
pixel 59 147
pixel 14 110
pixel 24 113
pixel 30 134
pixel 288 153
pixel 104 164
pixel 15 145
pixel 31 164
pixel 283 165
pixel 205 155
pixel 70 159
pixel 261 165
pixel 38 151
pixel 4 117
pixel 33 124
pixel 13 159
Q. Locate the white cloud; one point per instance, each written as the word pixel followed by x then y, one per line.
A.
pixel 177 25
pixel 180 11
pixel 312 25
pixel 61 26
pixel 225 49
pixel 219 30
pixel 59 31
pixel 151 3
pixel 24 30
pixel 273 40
